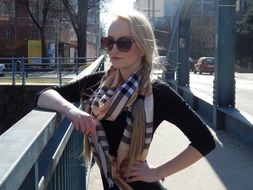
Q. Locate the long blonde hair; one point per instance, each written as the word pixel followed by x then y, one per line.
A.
pixel 143 34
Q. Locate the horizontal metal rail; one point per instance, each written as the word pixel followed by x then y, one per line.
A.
pixel 42 151
pixel 22 70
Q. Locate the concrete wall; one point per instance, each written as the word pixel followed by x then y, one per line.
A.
pixel 15 103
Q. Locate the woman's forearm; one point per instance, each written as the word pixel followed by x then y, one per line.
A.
pixel 50 99
pixel 82 121
pixel 186 158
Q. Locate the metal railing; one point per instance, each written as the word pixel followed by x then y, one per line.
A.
pixel 43 151
pixel 22 70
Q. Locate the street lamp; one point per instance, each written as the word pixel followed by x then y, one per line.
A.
pixel 56 40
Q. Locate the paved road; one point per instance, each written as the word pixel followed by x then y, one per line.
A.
pixel 202 85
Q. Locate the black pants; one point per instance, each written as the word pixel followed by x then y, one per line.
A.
pixel 137 185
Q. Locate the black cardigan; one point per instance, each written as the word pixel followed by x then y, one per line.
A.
pixel 168 105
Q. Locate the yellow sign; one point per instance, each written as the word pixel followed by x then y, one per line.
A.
pixel 34 51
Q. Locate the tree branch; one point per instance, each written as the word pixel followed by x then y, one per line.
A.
pixel 72 14
pixel 26 3
pixel 45 11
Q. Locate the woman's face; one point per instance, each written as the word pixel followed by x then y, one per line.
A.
pixel 128 61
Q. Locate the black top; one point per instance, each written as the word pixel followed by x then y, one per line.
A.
pixel 168 105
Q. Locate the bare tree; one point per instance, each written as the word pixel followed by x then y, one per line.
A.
pixel 202 37
pixel 244 39
pixel 78 11
pixel 202 27
pixel 162 33
pixel 41 24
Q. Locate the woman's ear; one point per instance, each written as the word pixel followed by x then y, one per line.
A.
pixel 143 58
pixel 142 53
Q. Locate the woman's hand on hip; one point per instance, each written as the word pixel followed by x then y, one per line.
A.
pixel 140 171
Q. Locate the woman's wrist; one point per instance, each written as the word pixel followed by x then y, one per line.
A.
pixel 160 175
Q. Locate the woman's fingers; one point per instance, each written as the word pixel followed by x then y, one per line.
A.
pixel 76 125
pixel 82 121
pixel 92 126
pixel 89 125
pixel 124 169
pixel 82 126
pixel 140 171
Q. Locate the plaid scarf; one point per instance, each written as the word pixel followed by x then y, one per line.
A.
pixel 108 101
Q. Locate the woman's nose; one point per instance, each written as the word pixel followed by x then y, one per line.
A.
pixel 114 48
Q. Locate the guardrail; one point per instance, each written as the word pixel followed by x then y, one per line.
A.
pixel 31 69
pixel 43 151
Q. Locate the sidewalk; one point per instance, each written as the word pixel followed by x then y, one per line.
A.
pixel 228 167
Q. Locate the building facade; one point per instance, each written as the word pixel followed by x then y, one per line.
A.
pixel 170 7
pixel 18 30
pixel 15 22
pixel 158 9
pixel 151 8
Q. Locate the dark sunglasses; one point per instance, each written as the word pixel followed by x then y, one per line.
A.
pixel 124 44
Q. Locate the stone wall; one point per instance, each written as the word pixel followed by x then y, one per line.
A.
pixel 15 103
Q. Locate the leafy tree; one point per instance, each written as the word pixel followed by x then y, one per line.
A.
pixel 244 40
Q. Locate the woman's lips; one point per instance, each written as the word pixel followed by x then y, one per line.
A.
pixel 116 58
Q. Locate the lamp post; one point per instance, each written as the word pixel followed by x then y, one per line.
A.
pixel 57 61
pixel 56 33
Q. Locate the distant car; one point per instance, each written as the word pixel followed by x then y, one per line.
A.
pixel 205 65
pixel 2 69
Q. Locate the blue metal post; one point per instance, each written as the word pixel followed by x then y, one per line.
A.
pixel 22 70
pixel 224 82
pixel 183 66
pixel 172 54
pixel 59 62
pixel 13 68
pixel 76 65
pixel 178 49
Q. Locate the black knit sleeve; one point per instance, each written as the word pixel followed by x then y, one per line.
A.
pixel 174 109
pixel 74 90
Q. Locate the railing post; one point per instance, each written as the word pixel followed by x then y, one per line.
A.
pixel 13 68
pixel 183 69
pixel 59 70
pixel 224 82
pixel 22 68
pixel 76 65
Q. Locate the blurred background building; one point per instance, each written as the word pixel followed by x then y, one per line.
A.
pixel 20 36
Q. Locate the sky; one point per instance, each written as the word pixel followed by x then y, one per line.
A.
pixel 115 6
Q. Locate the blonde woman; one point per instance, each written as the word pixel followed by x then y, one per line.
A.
pixel 123 109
